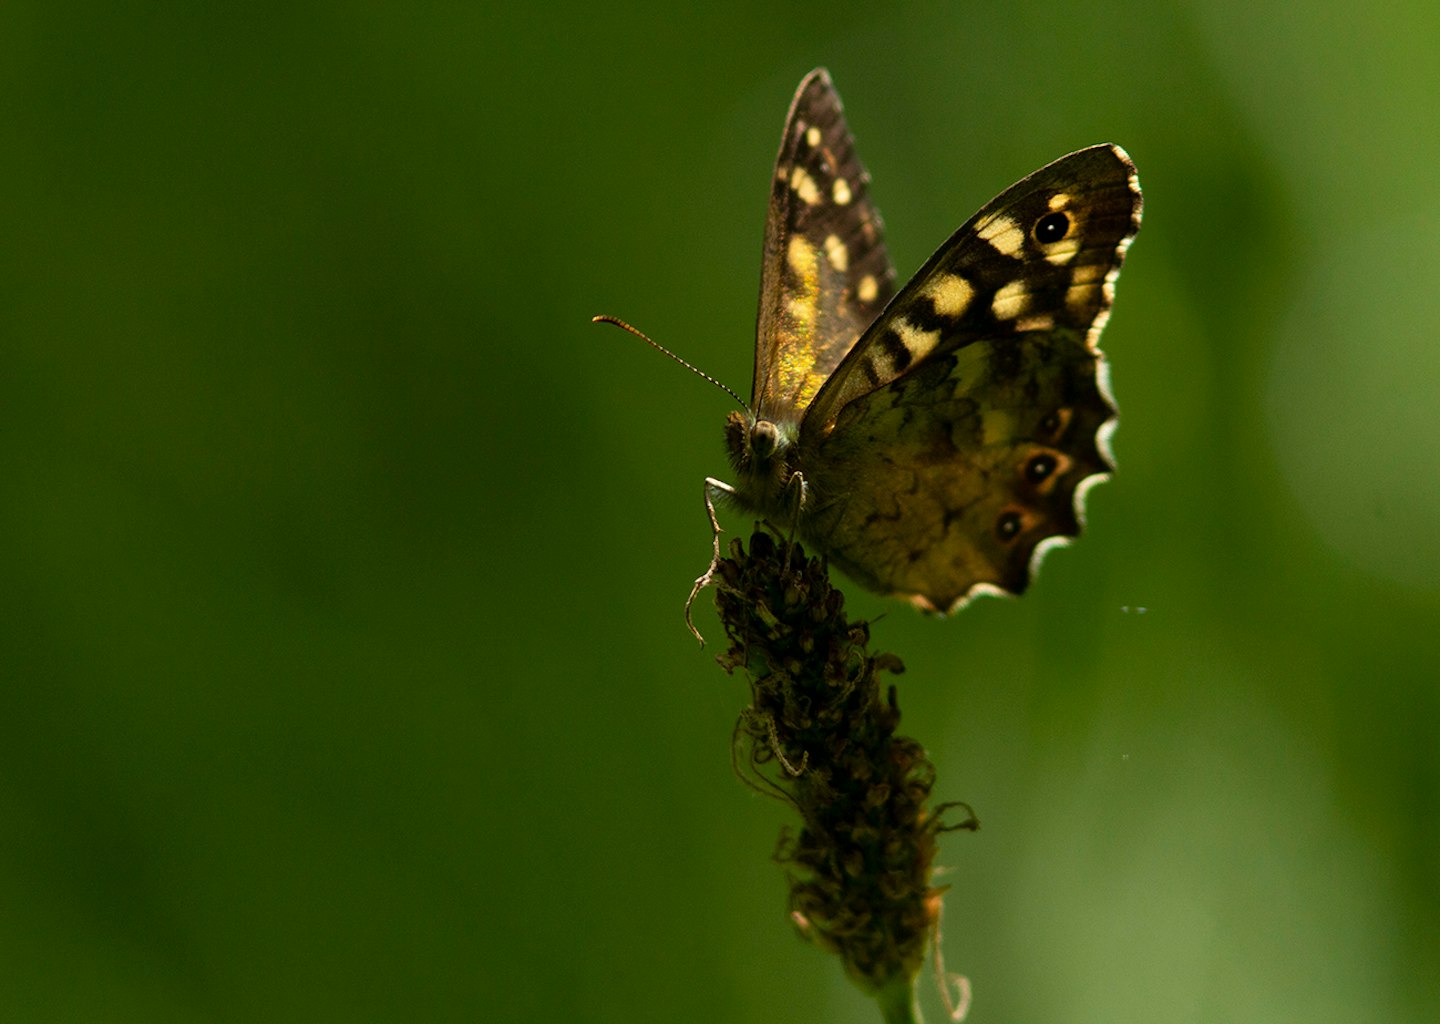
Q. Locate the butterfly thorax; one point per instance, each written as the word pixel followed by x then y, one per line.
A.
pixel 760 451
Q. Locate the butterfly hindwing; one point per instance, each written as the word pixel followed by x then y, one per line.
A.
pixel 984 450
pixel 954 439
pixel 825 273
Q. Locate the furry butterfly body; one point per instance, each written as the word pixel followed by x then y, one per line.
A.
pixel 931 442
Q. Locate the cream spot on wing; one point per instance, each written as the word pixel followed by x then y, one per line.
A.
pixel 812 136
pixel 1010 301
pixel 1087 274
pixel 1003 233
pixel 805 186
pixel 867 289
pixel 1062 252
pixel 837 252
pixel 802 310
pixel 1080 297
pixel 950 294
pixel 802 259
pixel 1059 200
pixel 1039 322
pixel 917 341
pixel 841 191
pixel 800 254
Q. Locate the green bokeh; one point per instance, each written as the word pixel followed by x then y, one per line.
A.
pixel 344 674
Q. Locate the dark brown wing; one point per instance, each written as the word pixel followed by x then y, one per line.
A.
pixel 825 273
pixel 1043 255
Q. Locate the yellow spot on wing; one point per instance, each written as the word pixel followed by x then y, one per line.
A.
pixel 800 255
pixel 917 341
pixel 1085 284
pixel 950 294
pixel 1059 200
pixel 812 136
pixel 805 186
pixel 841 191
pixel 1003 233
pixel 795 382
pixel 1010 301
pixel 1039 322
pixel 801 258
pixel 1080 297
pixel 1062 252
pixel 837 253
pixel 867 289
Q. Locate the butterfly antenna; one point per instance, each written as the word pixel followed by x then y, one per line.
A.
pixel 665 351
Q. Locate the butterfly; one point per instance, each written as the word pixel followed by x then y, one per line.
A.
pixel 935 442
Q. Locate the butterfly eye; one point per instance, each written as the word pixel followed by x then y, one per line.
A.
pixel 764 439
pixel 1007 527
pixel 1039 468
pixel 1051 228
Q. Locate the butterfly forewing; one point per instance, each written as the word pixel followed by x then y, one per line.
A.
pixel 953 442
pixel 1042 255
pixel 825 273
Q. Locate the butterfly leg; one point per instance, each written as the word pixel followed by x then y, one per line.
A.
pixel 713 488
pixel 795 493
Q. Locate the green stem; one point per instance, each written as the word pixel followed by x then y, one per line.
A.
pixel 897 1002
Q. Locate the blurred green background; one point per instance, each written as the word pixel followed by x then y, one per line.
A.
pixel 343 560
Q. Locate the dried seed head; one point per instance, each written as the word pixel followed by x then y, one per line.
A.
pixel 819 733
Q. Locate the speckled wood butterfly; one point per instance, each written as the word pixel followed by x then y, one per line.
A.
pixel 932 444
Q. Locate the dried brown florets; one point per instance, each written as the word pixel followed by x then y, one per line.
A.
pixel 819 733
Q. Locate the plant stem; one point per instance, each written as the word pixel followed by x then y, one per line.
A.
pixel 897 1002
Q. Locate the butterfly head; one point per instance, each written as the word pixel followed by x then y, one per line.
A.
pixel 759 450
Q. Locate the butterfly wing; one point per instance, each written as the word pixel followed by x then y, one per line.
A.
pixel 825 272
pixel 952 442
